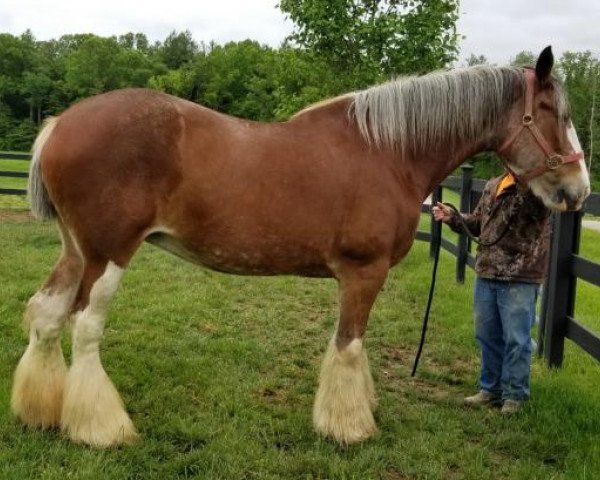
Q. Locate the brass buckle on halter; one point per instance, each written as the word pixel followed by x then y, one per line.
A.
pixel 527 120
pixel 554 162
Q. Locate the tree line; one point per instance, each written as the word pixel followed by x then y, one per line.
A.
pixel 336 46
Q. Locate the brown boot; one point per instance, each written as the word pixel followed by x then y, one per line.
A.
pixel 482 398
pixel 511 406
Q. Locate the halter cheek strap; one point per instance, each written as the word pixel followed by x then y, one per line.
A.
pixel 553 159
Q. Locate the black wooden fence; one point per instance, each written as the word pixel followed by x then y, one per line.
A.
pixel 13 156
pixel 566 266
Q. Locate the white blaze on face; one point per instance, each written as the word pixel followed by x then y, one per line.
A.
pixel 576 147
pixel 576 185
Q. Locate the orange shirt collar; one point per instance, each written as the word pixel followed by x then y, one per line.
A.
pixel 507 181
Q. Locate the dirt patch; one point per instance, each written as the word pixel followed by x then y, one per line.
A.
pixel 15 216
pixel 395 362
pixel 436 381
pixel 396 355
pixel 430 390
pixel 207 327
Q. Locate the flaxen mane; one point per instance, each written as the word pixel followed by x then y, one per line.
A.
pixel 438 109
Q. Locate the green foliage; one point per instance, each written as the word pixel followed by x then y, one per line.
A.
pixel 7 125
pixel 21 136
pixel 370 39
pixel 238 78
pixel 173 82
pixel 524 59
pixel 19 87
pixel 101 64
pixel 178 49
pixel 16 60
pixel 17 55
pixel 486 165
pixel 477 60
pixel 303 79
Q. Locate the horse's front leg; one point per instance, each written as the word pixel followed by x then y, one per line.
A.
pixel 346 394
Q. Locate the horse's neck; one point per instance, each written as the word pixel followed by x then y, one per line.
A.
pixel 431 167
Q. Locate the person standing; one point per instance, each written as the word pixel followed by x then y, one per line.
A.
pixel 513 226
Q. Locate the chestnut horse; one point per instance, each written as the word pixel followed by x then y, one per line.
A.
pixel 336 191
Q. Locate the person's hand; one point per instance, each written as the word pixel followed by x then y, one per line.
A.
pixel 441 213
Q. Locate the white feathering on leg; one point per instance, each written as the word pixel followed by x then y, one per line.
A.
pixel 93 412
pixel 39 379
pixel 345 395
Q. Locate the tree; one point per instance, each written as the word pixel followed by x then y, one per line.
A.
pixel 135 41
pixel 370 38
pixel 302 79
pixel 178 49
pixel 35 88
pixel 17 58
pixel 477 60
pixel 102 64
pixel 524 58
pixel 174 82
pixel 237 78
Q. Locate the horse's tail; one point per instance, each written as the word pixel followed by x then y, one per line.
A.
pixel 39 200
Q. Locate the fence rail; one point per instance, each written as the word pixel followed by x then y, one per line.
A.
pixel 15 156
pixel 9 174
pixel 557 320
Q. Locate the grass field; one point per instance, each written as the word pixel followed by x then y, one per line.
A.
pixel 219 374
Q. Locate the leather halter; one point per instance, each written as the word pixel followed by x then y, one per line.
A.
pixel 553 159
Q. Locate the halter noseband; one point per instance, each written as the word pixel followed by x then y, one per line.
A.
pixel 553 159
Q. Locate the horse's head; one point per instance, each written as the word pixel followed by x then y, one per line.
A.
pixel 540 145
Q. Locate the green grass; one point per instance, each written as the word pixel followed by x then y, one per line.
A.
pixel 219 374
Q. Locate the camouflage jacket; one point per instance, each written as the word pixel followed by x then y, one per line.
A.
pixel 522 253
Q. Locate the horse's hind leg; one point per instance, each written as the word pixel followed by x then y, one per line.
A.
pixel 93 412
pixel 346 394
pixel 39 380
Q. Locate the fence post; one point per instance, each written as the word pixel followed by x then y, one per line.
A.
pixel 436 227
pixel 465 207
pixel 560 297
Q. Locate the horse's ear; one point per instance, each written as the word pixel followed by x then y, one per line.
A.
pixel 544 64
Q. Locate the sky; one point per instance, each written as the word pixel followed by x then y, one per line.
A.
pixel 497 29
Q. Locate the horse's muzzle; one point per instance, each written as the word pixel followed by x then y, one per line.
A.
pixel 569 202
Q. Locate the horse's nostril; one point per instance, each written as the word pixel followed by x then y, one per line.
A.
pixel 570 201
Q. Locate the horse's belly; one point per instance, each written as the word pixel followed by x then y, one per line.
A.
pixel 244 262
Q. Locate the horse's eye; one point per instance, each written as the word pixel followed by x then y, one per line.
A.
pixel 566 118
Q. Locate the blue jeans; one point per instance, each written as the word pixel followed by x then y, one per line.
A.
pixel 504 315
